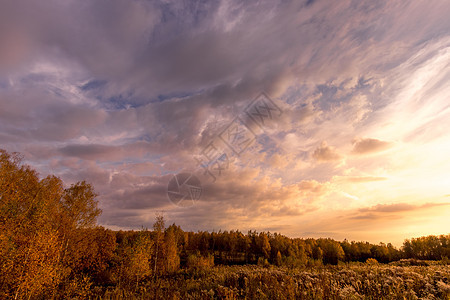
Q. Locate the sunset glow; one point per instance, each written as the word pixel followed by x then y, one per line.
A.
pixel 357 148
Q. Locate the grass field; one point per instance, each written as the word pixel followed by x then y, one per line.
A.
pixel 346 281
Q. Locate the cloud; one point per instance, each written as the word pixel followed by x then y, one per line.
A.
pixel 125 94
pixel 389 207
pixel 87 151
pixel 358 179
pixel 381 210
pixel 326 153
pixel 312 190
pixel 369 145
pixel 278 161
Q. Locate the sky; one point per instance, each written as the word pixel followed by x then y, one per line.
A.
pixel 341 111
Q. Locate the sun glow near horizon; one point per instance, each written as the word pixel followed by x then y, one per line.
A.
pixel 358 146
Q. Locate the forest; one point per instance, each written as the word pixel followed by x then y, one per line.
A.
pixel 52 248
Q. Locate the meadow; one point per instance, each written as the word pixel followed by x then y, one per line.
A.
pixel 345 281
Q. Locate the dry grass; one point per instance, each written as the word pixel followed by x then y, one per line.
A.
pixel 349 281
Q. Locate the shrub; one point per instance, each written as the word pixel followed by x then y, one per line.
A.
pixel 198 262
pixel 263 262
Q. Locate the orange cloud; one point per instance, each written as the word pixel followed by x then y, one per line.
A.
pixel 326 153
pixel 380 209
pixel 358 179
pixel 368 145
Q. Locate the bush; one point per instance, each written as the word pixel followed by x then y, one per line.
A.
pixel 410 262
pixel 198 262
pixel 263 262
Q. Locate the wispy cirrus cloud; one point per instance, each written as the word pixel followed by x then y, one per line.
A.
pixel 399 207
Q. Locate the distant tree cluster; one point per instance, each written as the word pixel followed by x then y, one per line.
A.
pixel 234 247
pixel 428 247
pixel 51 247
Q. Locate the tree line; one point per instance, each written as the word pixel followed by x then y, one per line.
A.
pixel 51 247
